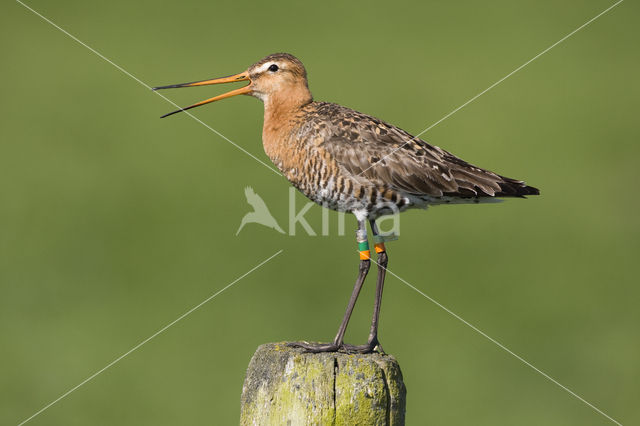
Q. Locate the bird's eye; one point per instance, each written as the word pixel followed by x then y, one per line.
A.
pixel 273 68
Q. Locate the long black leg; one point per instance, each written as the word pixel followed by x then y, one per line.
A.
pixel 383 259
pixel 365 263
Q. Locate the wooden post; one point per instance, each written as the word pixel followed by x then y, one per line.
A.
pixel 287 386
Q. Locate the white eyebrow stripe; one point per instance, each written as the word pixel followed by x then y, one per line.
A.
pixel 264 67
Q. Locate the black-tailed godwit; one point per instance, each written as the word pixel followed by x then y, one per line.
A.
pixel 349 161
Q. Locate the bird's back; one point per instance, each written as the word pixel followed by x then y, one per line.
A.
pixel 346 159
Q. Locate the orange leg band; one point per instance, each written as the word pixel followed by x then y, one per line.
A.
pixel 379 247
pixel 365 255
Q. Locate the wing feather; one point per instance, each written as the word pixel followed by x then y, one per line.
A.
pixel 389 157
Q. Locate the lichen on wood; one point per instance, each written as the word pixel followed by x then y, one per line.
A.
pixel 285 385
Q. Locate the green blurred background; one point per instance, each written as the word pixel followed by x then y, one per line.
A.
pixel 113 222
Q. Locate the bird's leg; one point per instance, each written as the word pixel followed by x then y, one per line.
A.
pixel 365 263
pixel 373 342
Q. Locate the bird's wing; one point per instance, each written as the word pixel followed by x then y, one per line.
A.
pixel 254 199
pixel 390 157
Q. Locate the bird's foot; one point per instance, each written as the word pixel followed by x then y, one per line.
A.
pixel 315 347
pixel 373 346
pixel 370 347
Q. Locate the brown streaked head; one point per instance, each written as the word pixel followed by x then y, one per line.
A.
pixel 279 75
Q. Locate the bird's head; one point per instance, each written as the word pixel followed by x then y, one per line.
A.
pixel 278 77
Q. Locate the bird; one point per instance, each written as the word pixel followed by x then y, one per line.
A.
pixel 260 213
pixel 352 162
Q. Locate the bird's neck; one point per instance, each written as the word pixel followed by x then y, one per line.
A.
pixel 281 106
pixel 280 112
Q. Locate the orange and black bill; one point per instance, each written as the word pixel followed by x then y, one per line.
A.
pixel 230 79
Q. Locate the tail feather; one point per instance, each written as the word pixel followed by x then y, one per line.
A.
pixel 515 188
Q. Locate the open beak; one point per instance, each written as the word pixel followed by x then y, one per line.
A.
pixel 243 76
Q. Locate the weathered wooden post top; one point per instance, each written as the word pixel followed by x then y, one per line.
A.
pixel 286 385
